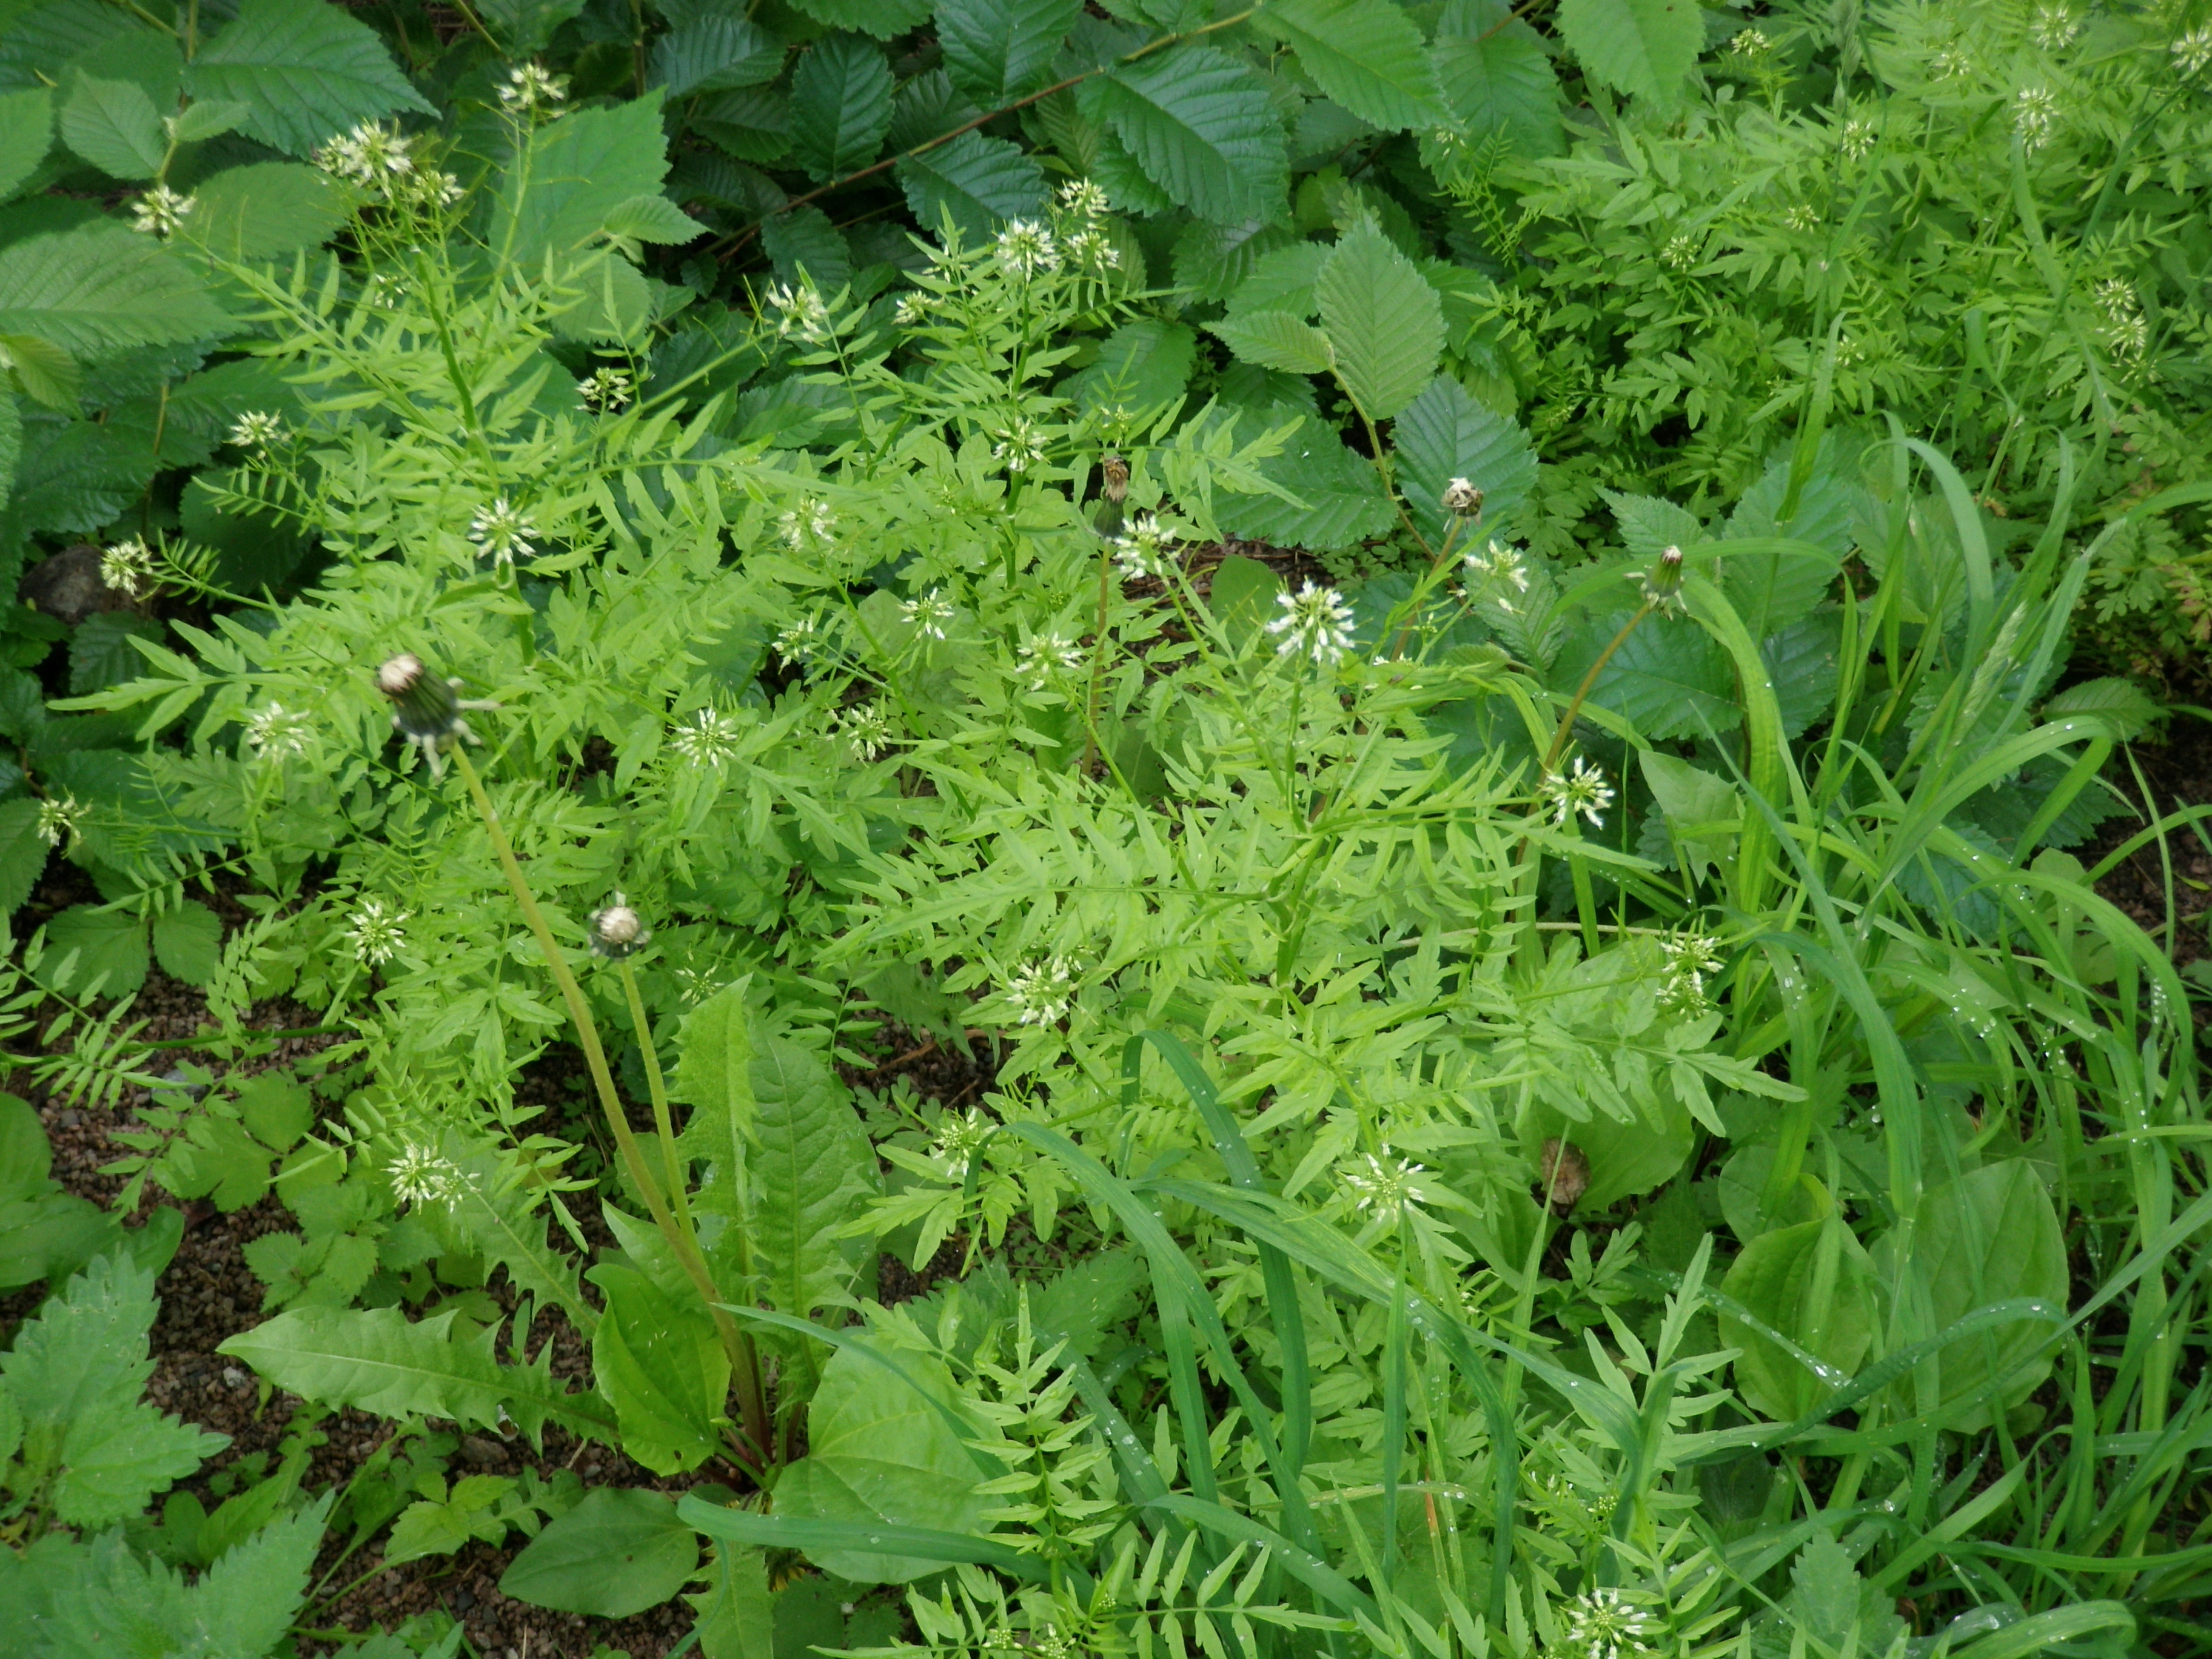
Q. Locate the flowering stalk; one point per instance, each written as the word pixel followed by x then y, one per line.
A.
pixel 595 1059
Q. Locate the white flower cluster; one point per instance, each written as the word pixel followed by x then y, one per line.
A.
pixel 1043 992
pixel 375 931
pixel 1043 659
pixel 811 520
pixel 1315 621
pixel 1142 550
pixel 2192 51
pixel 605 390
pixel 531 87
pixel 1693 958
pixel 959 1138
pixel 60 820
pixel 161 211
pixel 2035 116
pixel 799 309
pixel 1496 569
pixel 420 1176
pixel 1599 1624
pixel 928 615
pixel 1025 248
pixel 128 567
pixel 1581 788
pixel 2055 28
pixel 1019 446
pixel 371 154
pixel 503 531
pixel 709 739
pixel 865 730
pixel 276 732
pixel 256 429
pixel 1385 1187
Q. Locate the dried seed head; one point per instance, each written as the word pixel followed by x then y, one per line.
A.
pixel 1462 498
pixel 1115 471
pixel 424 707
pixel 1564 1175
pixel 616 932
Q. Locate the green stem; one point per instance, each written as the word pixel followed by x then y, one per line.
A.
pixel 595 1059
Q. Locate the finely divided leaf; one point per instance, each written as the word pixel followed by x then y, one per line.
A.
pixel 997 51
pixel 1641 47
pixel 841 105
pixel 1203 128
pixel 1365 54
pixel 1384 323
pixel 979 182
pixel 1444 433
pixel 305 69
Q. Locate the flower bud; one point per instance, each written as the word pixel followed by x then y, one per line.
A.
pixel 424 707
pixel 1563 1175
pixel 616 932
pixel 1462 498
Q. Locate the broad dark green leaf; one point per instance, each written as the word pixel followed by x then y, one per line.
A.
pixel 619 1551
pixel 307 69
pixel 26 134
pixel 1444 433
pixel 113 126
pixel 805 246
pixel 885 19
pixel 1495 76
pixel 1805 663
pixel 997 51
pixel 979 182
pixel 264 209
pixel 879 1451
pixel 1811 1282
pixel 658 1362
pixel 98 289
pixel 1202 128
pixel 23 852
pixel 1211 260
pixel 841 105
pixel 715 53
pixel 1365 54
pixel 88 946
pixel 813 1170
pixel 1641 47
pixel 1384 323
pixel 1669 679
pixel 188 944
pixel 1341 502
pixel 1274 339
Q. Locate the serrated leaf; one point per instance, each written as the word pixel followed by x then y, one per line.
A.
pixel 813 1171
pixel 841 105
pixel 249 1598
pixel 101 652
pixel 1384 323
pixel 980 182
pixel 1340 501
pixel 1202 128
pixel 27 133
pixel 1702 811
pixel 98 289
pixel 40 39
pixel 653 219
pixel 1804 663
pixel 113 126
pixel 1274 339
pixel 1211 260
pixel 658 1360
pixel 1282 280
pixel 210 118
pixel 2123 704
pixel 997 51
pixel 305 69
pixel 1445 433
pixel 188 944
pixel 804 245
pixel 1669 679
pixel 617 1553
pixel 1144 364
pixel 1365 54
pixel 582 168
pixel 752 124
pixel 117 1453
pixel 1495 76
pixel 1641 47
pixel 523 26
pixel 23 853
pixel 264 209
pixel 381 1361
pixel 109 950
pixel 885 19
pixel 715 53
pixel 48 375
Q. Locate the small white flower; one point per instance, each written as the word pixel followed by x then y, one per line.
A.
pixel 1801 216
pixel 61 820
pixel 433 187
pixel 161 211
pixel 1751 43
pixel 1857 139
pixel 2055 27
pixel 864 729
pixel 1315 622
pixel 503 531
pixel 2116 297
pixel 371 154
pixel 531 87
pixel 375 931
pixel 799 310
pixel 1019 446
pixel 1680 253
pixel 1384 1189
pixel 1084 199
pixel 128 567
pixel 1043 992
pixel 1692 958
pixel 1950 64
pixel 912 310
pixel 276 732
pixel 797 640
pixel 929 614
pixel 2193 50
pixel 1043 659
pixel 386 292
pixel 1582 788
pixel 1599 1625
pixel 1499 563
pixel 1025 248
pixel 2035 116
pixel 960 1137
pixel 1090 250
pixel 605 390
pixel 811 520
pixel 709 738
pixel 419 1176
pixel 1143 549
pixel 2129 336
pixel 256 429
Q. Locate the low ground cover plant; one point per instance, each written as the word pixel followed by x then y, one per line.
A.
pixel 1548 1078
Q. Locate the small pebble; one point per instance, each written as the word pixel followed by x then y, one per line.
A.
pixel 233 1378
pixel 70 1119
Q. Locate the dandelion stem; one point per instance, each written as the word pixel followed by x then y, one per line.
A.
pixel 595 1059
